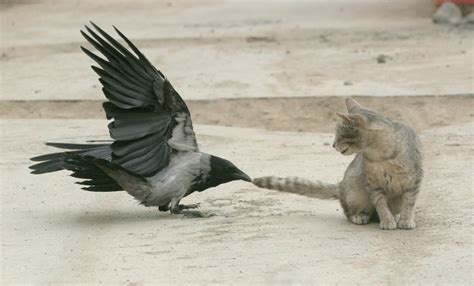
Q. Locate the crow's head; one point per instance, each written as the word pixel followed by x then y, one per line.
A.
pixel 223 171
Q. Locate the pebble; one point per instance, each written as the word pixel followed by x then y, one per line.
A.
pixel 381 59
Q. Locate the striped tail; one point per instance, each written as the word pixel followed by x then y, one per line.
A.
pixel 300 186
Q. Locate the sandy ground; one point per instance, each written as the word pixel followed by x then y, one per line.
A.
pixel 263 80
pixel 53 232
pixel 228 49
pixel 309 114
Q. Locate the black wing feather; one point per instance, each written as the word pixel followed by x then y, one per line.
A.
pixel 71 146
pixel 126 59
pixel 143 105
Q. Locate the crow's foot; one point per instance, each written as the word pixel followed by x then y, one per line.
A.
pixel 189 207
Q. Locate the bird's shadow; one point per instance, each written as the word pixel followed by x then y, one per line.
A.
pixel 116 217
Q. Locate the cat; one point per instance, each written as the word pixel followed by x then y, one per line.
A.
pixel 383 180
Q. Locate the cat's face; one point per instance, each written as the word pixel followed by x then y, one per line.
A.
pixel 360 127
pixel 348 139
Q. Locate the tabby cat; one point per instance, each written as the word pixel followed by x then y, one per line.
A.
pixel 383 180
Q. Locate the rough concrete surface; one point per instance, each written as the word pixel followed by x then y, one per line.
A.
pixel 53 232
pixel 228 49
pixel 307 114
pixel 265 69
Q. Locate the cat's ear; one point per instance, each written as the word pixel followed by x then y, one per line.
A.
pixel 345 118
pixel 352 104
pixel 355 120
pixel 359 121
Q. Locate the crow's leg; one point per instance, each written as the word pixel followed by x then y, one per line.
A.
pixel 174 206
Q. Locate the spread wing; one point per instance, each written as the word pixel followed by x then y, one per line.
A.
pixel 149 118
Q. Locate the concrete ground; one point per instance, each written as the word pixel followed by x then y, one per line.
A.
pixel 228 49
pixel 55 233
pixel 266 70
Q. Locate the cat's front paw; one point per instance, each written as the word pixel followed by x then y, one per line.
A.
pixel 388 225
pixel 359 219
pixel 406 224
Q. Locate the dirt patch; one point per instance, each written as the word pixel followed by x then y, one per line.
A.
pixel 311 114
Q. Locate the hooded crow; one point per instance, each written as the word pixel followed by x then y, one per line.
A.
pixel 154 155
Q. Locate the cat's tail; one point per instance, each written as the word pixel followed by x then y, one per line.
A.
pixel 300 186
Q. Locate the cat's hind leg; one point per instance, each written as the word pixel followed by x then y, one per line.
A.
pixel 359 218
pixel 357 206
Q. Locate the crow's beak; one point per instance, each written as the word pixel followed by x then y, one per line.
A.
pixel 242 176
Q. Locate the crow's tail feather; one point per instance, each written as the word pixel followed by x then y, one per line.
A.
pixel 82 160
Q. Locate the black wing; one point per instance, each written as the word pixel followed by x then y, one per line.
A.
pixel 150 119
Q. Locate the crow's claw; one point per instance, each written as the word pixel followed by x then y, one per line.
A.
pixel 189 207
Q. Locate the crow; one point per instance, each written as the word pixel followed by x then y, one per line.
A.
pixel 153 154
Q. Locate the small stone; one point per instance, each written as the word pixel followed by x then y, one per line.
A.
pixel 347 82
pixel 381 59
pixel 448 13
